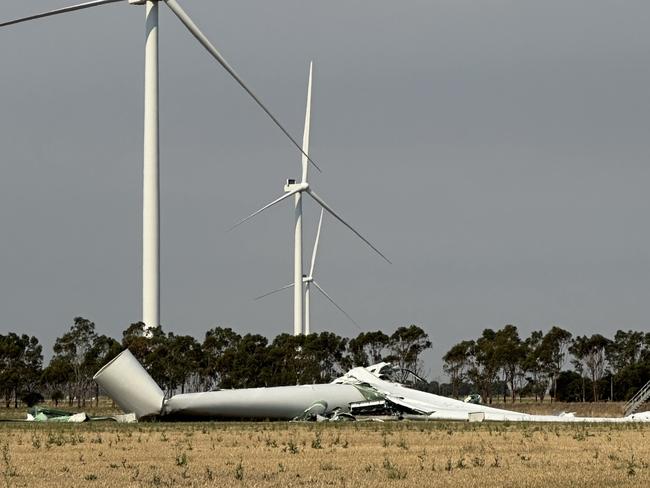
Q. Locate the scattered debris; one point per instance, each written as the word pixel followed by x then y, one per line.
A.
pixel 46 414
pixel 474 398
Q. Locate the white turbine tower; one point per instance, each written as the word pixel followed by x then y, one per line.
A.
pixel 308 280
pixel 151 188
pixel 297 189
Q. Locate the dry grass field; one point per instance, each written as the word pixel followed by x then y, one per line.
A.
pixel 317 455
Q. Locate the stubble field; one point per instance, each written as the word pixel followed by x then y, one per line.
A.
pixel 348 454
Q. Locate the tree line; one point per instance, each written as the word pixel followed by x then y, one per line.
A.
pixel 502 363
pixel 181 363
pixel 499 363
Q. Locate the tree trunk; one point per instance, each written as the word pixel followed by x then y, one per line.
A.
pixel 554 387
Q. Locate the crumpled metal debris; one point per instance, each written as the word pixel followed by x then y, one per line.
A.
pixel 46 414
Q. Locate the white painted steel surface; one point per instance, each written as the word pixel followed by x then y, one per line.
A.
pixel 151 177
pixel 130 386
pixel 280 403
pixel 299 302
pixel 297 267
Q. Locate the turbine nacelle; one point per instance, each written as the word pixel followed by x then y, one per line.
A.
pixel 292 187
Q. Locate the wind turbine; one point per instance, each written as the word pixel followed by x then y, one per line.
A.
pixel 308 280
pixel 297 189
pixel 151 188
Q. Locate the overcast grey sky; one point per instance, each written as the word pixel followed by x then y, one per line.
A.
pixel 496 151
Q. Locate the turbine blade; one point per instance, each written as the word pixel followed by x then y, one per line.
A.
pixel 305 135
pixel 81 6
pixel 335 304
pixel 277 200
pixel 313 254
pixel 196 32
pixel 275 291
pixel 329 209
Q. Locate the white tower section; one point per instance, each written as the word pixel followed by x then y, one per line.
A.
pixel 298 297
pixel 151 186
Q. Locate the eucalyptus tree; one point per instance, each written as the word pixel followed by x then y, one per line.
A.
pixel 21 362
pixel 590 353
pixel 407 345
pixel 552 354
pixel 327 352
pixel 219 349
pixel 626 349
pixel 510 353
pixel 250 366
pixel 484 366
pixel 368 348
pixel 533 365
pixel 456 362
pixel 186 360
pixel 75 347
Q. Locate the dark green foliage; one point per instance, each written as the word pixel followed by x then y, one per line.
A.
pixel 57 396
pixel 602 367
pixel 368 348
pixel 629 379
pixel 21 360
pixel 457 361
pixel 75 353
pixel 569 387
pixel 32 398
pixel 589 353
pixel 485 363
pixel 407 345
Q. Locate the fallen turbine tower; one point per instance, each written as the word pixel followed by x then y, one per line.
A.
pixel 361 392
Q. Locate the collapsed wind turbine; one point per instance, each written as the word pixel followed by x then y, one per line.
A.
pixel 308 280
pixel 151 188
pixel 297 189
